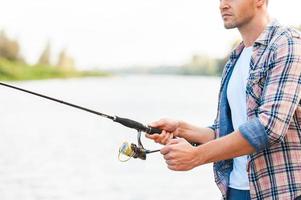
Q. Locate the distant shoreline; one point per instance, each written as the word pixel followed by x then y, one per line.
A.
pixel 17 71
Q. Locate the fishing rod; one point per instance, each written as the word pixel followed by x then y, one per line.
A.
pixel 129 150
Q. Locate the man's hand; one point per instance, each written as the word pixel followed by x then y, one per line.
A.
pixel 169 128
pixel 180 155
pixel 181 129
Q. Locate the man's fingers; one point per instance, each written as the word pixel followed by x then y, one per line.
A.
pixel 165 137
pixel 163 134
pixel 153 136
pixel 165 150
pixel 173 141
pixel 168 156
pixel 173 167
pixel 170 162
pixel 162 138
pixel 171 136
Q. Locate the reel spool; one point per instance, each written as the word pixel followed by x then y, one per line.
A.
pixel 133 150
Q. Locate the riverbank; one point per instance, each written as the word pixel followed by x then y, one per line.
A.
pixel 12 70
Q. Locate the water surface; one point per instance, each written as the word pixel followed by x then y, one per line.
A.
pixel 50 151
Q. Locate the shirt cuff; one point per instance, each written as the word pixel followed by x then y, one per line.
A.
pixel 255 133
pixel 213 128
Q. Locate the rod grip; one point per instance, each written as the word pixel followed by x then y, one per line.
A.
pixel 153 130
pixel 136 125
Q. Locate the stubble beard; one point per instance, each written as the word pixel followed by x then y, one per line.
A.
pixel 235 23
pixel 231 25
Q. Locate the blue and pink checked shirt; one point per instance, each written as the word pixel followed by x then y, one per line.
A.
pixel 274 116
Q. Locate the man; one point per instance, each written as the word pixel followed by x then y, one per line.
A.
pixel 255 141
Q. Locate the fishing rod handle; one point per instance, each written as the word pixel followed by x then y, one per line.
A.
pixel 140 127
pixel 153 130
pixel 136 125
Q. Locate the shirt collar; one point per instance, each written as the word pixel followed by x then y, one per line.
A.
pixel 263 38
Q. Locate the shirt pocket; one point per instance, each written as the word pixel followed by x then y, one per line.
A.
pixel 257 76
pixel 255 83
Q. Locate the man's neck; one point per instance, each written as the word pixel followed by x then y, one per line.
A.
pixel 251 31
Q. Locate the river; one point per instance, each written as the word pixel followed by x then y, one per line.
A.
pixel 49 151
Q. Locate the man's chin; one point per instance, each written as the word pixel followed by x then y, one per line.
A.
pixel 229 26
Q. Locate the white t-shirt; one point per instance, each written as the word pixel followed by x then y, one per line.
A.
pixel 236 94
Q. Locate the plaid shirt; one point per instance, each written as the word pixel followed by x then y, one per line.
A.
pixel 274 116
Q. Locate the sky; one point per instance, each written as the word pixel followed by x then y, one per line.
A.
pixel 119 33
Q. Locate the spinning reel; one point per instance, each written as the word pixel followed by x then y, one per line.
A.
pixel 128 151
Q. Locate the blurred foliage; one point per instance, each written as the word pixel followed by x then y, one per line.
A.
pixel 12 70
pixel 203 65
pixel 14 67
pixel 199 64
pixel 44 58
pixel 65 61
pixel 9 48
